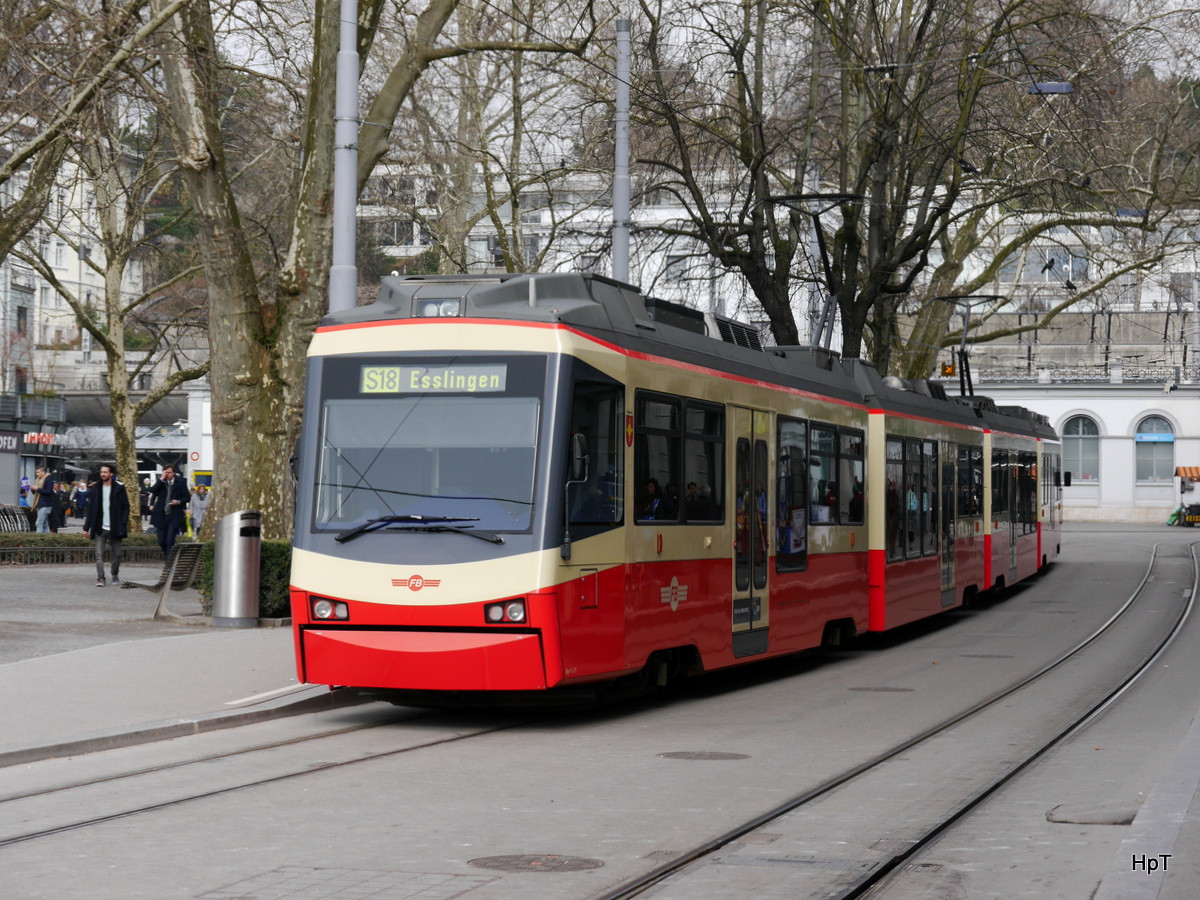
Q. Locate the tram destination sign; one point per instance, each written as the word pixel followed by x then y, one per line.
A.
pixel 433 379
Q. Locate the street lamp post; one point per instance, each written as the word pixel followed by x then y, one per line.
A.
pixel 799 202
pixel 966 389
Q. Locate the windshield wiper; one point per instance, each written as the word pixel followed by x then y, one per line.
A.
pixel 489 536
pixel 371 524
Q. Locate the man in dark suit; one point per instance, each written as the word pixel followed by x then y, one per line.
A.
pixel 168 500
pixel 107 520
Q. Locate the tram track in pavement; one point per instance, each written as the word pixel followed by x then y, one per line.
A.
pixel 353 746
pixel 872 875
pixel 11 809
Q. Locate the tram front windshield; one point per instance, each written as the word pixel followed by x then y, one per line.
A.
pixel 450 442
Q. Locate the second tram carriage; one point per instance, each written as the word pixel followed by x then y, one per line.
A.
pixel 519 483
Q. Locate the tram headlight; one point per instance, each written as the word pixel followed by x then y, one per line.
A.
pixel 508 612
pixel 436 308
pixel 329 610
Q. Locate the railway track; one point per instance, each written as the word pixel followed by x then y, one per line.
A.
pixel 677 878
pixel 29 816
pixel 339 748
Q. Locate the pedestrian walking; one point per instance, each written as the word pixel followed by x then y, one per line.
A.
pixel 168 504
pixel 107 521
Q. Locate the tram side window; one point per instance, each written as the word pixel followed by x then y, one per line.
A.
pixel 1027 491
pixel 912 510
pixel 704 462
pixel 597 412
pixel 657 451
pixel 1051 477
pixel 1000 488
pixel 791 486
pixel 970 482
pixel 894 523
pixel 822 462
pixel 929 506
pixel 850 478
pixel 912 498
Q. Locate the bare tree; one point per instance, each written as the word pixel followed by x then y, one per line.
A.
pixel 54 58
pixel 260 329
pixel 1099 175
pixel 890 133
pixel 487 132
pixel 121 163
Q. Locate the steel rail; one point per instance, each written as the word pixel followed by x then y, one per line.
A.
pixel 879 877
pixel 191 761
pixel 229 789
pixel 655 876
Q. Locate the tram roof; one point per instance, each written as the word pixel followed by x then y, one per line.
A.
pixel 615 312
pixel 623 315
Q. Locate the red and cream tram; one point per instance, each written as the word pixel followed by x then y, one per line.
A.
pixel 516 483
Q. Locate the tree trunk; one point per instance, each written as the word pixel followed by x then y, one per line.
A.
pixel 248 393
pixel 258 343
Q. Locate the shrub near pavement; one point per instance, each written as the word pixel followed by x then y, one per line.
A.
pixel 31 548
pixel 274 580
pixel 66 539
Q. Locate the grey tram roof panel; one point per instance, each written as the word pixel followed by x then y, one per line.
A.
pixel 613 311
pixel 622 314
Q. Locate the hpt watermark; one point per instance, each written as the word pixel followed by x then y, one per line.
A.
pixel 1148 864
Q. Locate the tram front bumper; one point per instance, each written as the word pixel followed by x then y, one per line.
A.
pixel 423 660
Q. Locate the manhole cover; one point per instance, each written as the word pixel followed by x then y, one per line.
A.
pixel 702 754
pixel 548 862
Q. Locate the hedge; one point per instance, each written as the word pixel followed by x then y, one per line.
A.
pixel 274 600
pixel 68 539
pixel 275 574
pixel 30 548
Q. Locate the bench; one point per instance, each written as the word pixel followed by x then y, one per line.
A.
pixel 17 518
pixel 178 574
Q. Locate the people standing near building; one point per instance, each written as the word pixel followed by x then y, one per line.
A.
pixel 80 500
pixel 62 507
pixel 168 504
pixel 107 520
pixel 43 488
pixel 199 507
pixel 144 500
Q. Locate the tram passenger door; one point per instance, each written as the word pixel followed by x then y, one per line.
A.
pixel 751 544
pixel 948 519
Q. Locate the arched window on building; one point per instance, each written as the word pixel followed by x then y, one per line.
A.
pixel 1081 448
pixel 1155 449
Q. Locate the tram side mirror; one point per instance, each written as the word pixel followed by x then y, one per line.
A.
pixel 1066 478
pixel 579 457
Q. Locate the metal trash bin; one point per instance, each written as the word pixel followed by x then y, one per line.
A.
pixel 237 555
